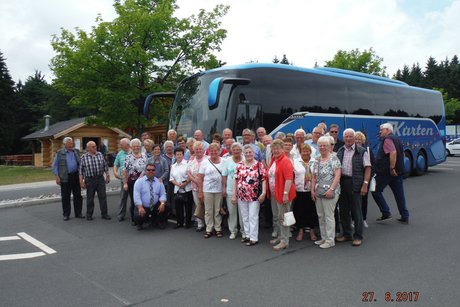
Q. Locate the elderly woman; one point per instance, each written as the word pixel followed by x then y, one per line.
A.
pixel 148 148
pixel 282 191
pixel 192 172
pixel 190 152
pixel 182 189
pixel 326 190
pixel 228 182
pixel 217 138
pixel 134 166
pixel 287 148
pixel 249 182
pixel 161 165
pixel 360 140
pixel 210 190
pixel 304 208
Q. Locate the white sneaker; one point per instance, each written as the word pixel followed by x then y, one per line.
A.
pixel 326 245
pixel 365 224
pixel 319 242
pixel 232 236
pixel 353 224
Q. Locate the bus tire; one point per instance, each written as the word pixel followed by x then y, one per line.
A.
pixel 448 153
pixel 421 165
pixel 407 164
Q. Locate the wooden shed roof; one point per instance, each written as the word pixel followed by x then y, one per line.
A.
pixel 60 129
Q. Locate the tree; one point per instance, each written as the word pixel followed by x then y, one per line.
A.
pixel 8 113
pixel 452 106
pixel 284 60
pixel 366 62
pixel 111 70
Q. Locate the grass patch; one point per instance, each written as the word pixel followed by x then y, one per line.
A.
pixel 22 174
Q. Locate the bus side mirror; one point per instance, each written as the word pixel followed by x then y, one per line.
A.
pixel 216 87
pixel 149 99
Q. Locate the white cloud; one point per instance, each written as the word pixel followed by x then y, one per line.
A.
pixel 306 31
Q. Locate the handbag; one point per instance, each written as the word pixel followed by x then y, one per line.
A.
pixel 372 184
pixel 180 197
pixel 289 219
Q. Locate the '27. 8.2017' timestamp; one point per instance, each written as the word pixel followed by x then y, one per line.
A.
pixel 399 296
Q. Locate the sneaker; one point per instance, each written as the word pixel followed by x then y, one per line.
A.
pixel 326 245
pixel 274 234
pixel 319 242
pixel 275 241
pixel 365 224
pixel 384 218
pixel 357 242
pixel 403 221
pixel 232 236
pixel 352 224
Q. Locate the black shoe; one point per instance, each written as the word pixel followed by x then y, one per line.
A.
pixel 139 227
pixel 187 226
pixel 79 216
pixel 384 218
pixel 89 218
pixel 162 225
pixel 106 217
pixel 178 226
pixel 66 218
pixel 403 221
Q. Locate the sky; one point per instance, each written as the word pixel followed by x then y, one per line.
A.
pixel 402 32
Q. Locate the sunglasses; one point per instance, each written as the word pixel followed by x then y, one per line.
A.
pixel 150 169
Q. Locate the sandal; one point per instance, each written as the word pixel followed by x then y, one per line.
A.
pixel 251 243
pixel 207 235
pixel 219 234
pixel 313 236
pixel 300 235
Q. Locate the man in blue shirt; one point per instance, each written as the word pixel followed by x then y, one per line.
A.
pixel 150 199
pixel 65 169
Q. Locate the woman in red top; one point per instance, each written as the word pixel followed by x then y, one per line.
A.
pixel 280 179
pixel 249 175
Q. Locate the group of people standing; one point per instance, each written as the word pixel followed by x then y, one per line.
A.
pixel 324 182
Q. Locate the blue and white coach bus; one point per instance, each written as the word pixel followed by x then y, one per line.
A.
pixel 253 95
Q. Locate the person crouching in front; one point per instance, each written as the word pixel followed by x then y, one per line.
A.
pixel 150 199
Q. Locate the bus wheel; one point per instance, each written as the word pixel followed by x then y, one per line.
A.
pixel 407 164
pixel 448 153
pixel 420 164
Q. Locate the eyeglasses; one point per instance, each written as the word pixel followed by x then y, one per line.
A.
pixel 333 132
pixel 150 169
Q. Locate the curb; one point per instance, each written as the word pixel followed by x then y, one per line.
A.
pixel 34 202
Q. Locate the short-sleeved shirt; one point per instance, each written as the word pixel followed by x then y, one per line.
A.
pixel 248 179
pixel 229 171
pixel 134 166
pixel 212 180
pixel 120 162
pixel 325 172
pixel 303 173
pixel 179 174
pixel 347 161
pixel 193 167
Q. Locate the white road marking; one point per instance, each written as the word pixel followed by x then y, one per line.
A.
pixel 10 238
pixel 21 256
pixel 37 243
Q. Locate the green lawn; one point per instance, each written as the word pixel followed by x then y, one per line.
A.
pixel 22 174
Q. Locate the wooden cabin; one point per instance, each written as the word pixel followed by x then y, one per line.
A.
pixel 49 140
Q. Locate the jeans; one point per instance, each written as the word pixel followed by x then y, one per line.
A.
pixel 396 185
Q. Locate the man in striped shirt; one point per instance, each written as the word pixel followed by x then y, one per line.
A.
pixel 92 169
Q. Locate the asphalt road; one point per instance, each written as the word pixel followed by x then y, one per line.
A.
pixel 108 263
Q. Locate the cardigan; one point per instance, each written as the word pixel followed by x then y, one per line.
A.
pixel 284 171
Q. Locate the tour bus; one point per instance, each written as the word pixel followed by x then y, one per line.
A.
pixel 254 95
pixel 423 144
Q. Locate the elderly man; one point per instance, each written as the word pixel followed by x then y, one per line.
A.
pixel 389 167
pixel 65 169
pixel 150 199
pixel 118 167
pixel 317 133
pixel 299 140
pixel 92 169
pixel 334 132
pixel 354 183
pixel 227 133
pixel 199 136
pixel 248 137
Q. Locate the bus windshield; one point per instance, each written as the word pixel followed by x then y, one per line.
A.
pixel 190 109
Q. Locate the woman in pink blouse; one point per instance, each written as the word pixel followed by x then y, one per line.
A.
pixel 249 176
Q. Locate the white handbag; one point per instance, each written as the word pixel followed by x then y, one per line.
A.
pixel 289 219
pixel 372 184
